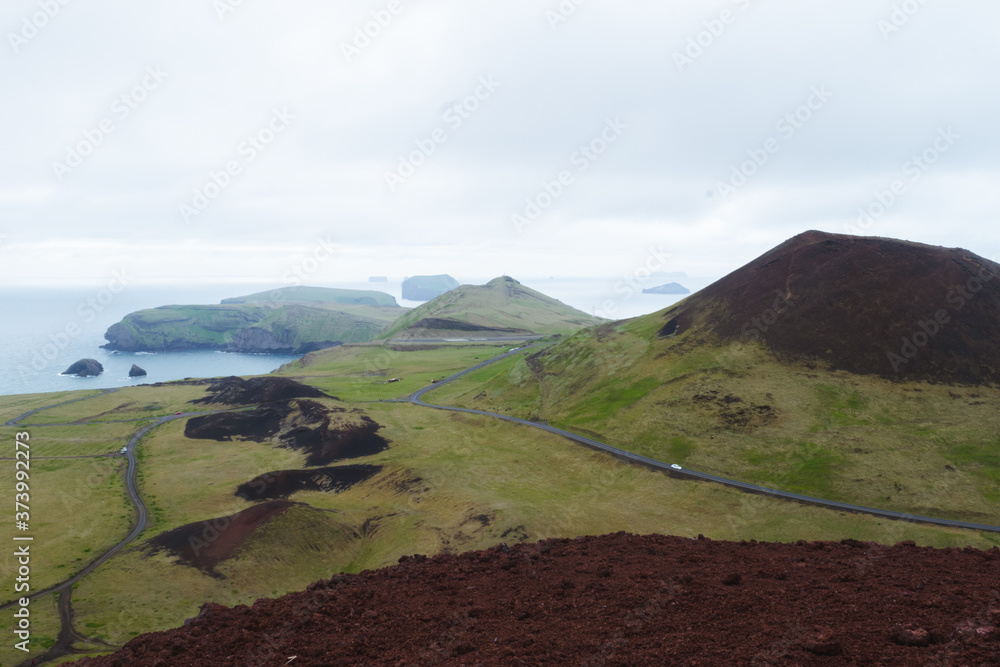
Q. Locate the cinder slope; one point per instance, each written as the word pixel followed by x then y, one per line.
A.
pixel 867 305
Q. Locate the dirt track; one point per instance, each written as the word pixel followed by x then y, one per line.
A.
pixel 618 600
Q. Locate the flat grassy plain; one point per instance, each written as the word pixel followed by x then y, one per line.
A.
pixel 359 372
pixel 736 411
pixel 78 510
pixel 44 630
pixel 15 405
pixel 139 402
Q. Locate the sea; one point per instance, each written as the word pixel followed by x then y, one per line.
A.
pixel 45 330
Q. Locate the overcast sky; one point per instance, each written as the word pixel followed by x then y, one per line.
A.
pixel 229 140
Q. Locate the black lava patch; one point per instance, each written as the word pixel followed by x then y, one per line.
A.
pixel 237 391
pixel 283 483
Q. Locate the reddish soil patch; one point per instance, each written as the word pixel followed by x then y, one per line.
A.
pixel 237 391
pixel 207 543
pixel 283 483
pixel 617 600
pixel 901 310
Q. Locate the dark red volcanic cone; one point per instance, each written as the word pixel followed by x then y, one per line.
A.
pixel 901 310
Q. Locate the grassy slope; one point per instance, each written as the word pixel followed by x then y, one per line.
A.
pixel 928 449
pixel 186 327
pixel 451 483
pixel 359 372
pixel 306 294
pixel 192 326
pixel 457 482
pixel 78 510
pixel 502 303
pixel 300 324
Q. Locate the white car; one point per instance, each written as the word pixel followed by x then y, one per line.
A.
pixel 124 450
pixel 675 466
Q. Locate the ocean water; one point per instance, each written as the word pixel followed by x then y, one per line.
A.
pixel 44 330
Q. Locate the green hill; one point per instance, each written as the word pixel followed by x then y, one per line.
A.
pixel 503 307
pixel 744 380
pixel 291 329
pixel 306 294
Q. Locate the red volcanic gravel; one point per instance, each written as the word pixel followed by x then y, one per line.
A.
pixel 617 600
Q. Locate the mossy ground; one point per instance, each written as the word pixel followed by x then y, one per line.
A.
pixel 453 482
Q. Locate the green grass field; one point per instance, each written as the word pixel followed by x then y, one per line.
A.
pixel 78 509
pixel 454 482
pixel 451 483
pixel 359 372
pixel 735 411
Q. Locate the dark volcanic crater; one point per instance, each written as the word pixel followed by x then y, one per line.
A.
pixel 205 544
pixel 237 391
pixel 322 432
pixel 283 483
pixel 902 310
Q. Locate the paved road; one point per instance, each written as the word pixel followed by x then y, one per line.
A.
pixel 509 339
pixel 417 399
pixel 67 633
pixel 16 421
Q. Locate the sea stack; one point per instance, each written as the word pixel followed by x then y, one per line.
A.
pixel 85 368
pixel 136 372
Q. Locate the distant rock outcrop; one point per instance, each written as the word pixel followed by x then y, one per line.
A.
pixel 669 288
pixel 425 288
pixel 85 368
pixel 136 372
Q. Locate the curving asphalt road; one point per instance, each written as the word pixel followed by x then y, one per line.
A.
pixel 142 514
pixel 67 633
pixel 16 421
pixel 417 399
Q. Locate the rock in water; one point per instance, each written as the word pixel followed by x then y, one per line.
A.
pixel 136 372
pixel 85 368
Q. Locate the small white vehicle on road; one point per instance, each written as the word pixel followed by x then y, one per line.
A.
pixel 675 466
pixel 124 450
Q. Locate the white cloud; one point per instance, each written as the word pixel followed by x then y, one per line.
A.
pixel 325 174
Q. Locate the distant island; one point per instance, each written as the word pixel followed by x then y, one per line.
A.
pixel 669 288
pixel 289 320
pixel 501 308
pixel 425 288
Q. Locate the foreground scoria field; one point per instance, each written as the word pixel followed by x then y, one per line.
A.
pixel 617 600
